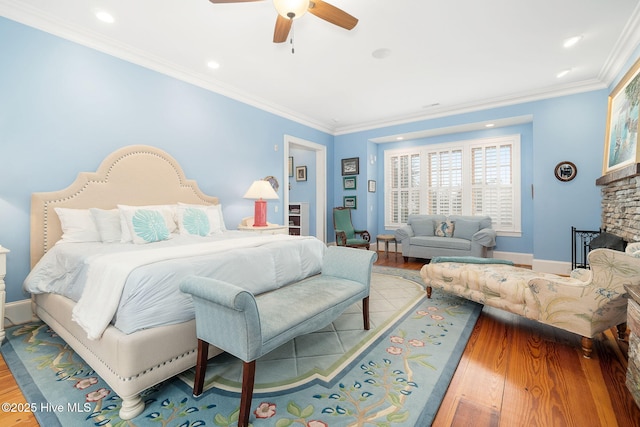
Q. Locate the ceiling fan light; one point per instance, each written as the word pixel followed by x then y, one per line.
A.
pixel 291 9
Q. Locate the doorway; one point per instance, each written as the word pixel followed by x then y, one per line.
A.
pixel 319 204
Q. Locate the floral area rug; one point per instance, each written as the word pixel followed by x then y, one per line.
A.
pixel 394 375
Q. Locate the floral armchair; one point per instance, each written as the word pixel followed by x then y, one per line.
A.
pixel 588 302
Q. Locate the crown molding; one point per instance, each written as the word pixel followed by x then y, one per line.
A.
pixel 27 15
pixel 531 96
pixel 626 44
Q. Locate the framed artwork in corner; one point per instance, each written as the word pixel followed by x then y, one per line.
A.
pixel 301 173
pixel 350 202
pixel 371 186
pixel 351 166
pixel 349 183
pixel 622 133
pixel 290 166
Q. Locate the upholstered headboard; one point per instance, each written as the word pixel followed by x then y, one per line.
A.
pixel 134 175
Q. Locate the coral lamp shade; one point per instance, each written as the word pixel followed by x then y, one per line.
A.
pixel 261 191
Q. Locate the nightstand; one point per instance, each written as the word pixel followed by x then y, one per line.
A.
pixel 269 229
pixel 3 272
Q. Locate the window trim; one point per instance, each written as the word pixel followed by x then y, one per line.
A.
pixel 466 146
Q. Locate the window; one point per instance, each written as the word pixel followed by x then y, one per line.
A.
pixel 478 177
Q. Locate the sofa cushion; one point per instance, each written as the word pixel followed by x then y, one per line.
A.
pixel 485 221
pixel 445 229
pixel 441 242
pixel 422 226
pixel 465 229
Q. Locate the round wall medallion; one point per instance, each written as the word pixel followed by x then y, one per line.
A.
pixel 566 171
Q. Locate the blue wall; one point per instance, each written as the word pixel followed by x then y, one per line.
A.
pixel 564 128
pixel 64 107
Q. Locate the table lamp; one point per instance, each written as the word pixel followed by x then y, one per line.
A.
pixel 261 191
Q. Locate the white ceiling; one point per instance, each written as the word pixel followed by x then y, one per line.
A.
pixel 445 57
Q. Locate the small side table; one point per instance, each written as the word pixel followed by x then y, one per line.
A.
pixel 386 238
pixel 269 229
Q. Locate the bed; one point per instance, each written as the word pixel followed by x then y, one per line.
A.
pixel 134 359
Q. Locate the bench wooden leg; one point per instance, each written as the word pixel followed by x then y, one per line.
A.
pixel 201 367
pixel 248 378
pixel 429 291
pixel 365 313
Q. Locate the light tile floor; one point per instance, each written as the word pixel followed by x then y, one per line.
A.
pixel 321 353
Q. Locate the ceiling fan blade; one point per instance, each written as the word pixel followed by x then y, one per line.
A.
pixel 332 14
pixel 283 26
pixel 231 1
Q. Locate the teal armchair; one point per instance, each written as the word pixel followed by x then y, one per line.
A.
pixel 346 234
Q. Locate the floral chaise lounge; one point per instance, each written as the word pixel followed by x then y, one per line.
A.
pixel 586 303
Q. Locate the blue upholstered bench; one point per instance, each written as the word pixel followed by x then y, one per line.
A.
pixel 249 326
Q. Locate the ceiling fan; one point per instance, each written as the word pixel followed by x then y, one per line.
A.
pixel 288 10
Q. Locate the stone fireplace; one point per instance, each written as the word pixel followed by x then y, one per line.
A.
pixel 621 202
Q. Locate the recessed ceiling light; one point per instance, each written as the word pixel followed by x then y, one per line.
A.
pixel 489 125
pixel 571 41
pixel 105 17
pixel 563 73
pixel 213 65
pixel 399 138
pixel 381 53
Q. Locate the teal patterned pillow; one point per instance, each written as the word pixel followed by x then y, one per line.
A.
pixel 445 229
pixel 195 221
pixel 199 220
pixel 149 226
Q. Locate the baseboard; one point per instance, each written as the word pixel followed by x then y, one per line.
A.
pixel 554 267
pixel 542 265
pixel 515 257
pixel 17 313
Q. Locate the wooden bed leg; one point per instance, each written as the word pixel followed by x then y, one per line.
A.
pixel 622 330
pixel 201 367
pixel 405 258
pixel 365 313
pixel 587 347
pixel 248 377
pixel 429 290
pixel 131 407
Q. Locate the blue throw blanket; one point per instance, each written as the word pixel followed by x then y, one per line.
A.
pixel 470 260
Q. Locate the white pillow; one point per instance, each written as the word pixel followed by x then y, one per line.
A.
pixel 212 210
pixel 146 224
pixel 198 220
pixel 108 224
pixel 77 225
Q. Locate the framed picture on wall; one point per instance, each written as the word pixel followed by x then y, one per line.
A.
pixel 622 133
pixel 301 173
pixel 371 186
pixel 349 183
pixel 351 166
pixel 350 202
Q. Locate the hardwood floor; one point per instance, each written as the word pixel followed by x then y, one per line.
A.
pixel 517 372
pixel 514 372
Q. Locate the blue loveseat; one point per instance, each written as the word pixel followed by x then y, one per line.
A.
pixel 429 236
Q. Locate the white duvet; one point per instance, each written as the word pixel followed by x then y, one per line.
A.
pixel 136 286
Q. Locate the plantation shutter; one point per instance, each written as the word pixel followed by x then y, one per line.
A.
pixel 402 187
pixel 492 184
pixel 444 192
